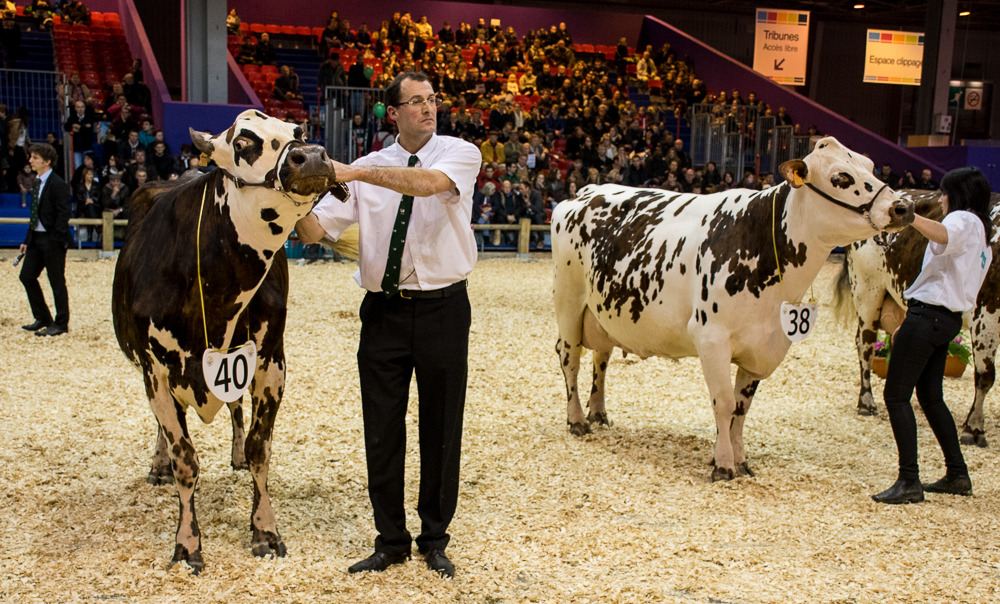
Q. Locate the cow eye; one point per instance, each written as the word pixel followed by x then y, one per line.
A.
pixel 240 144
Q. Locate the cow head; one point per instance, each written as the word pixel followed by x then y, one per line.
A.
pixel 261 151
pixel 847 179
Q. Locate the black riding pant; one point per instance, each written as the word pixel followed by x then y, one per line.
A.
pixel 49 253
pixel 917 361
pixel 400 337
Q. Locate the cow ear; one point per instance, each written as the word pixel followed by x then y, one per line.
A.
pixel 795 172
pixel 202 141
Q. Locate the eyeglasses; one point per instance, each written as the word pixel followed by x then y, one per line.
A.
pixel 432 100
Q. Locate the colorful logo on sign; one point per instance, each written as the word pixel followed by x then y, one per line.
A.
pixel 776 18
pixel 893 57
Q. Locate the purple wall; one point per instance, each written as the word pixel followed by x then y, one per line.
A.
pixel 719 72
pixel 986 159
pixel 587 27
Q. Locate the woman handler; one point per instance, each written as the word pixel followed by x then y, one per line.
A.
pixel 955 263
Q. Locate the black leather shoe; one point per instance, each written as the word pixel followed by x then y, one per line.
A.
pixel 962 485
pixel 439 563
pixel 902 491
pixel 36 326
pixel 51 330
pixel 378 562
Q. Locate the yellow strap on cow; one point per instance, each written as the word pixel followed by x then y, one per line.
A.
pixel 201 292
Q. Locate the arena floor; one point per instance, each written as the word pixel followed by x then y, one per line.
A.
pixel 624 515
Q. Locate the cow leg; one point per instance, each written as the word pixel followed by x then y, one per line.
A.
pixel 160 473
pixel 238 459
pixel 596 403
pixel 743 392
pixel 864 340
pixel 715 355
pixel 569 360
pixel 184 462
pixel 267 388
pixel 985 331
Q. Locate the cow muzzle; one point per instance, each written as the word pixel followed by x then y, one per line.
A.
pixel 900 215
pixel 307 171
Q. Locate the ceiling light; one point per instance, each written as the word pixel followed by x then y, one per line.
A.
pixel 964 13
pixel 859 6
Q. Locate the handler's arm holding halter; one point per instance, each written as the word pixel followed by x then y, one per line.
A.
pixel 931 229
pixel 418 182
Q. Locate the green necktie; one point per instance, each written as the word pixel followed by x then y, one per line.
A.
pixel 35 188
pixel 390 281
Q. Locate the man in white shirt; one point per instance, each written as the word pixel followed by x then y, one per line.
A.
pixel 415 255
pixel 46 242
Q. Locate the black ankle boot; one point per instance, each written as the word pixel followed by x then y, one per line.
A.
pixel 902 491
pixel 952 485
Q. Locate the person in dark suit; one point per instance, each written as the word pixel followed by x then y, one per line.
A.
pixel 45 244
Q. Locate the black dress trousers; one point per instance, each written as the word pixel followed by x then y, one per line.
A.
pixel 49 253
pixel 399 337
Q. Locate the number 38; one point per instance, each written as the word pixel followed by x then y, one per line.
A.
pixel 800 321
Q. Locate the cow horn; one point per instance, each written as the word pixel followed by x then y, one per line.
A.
pixel 795 172
pixel 202 141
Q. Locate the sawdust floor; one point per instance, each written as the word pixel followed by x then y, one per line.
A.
pixel 624 515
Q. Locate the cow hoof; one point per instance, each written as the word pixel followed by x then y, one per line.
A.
pixel 867 411
pixel 158 479
pixel 240 466
pixel 273 547
pixel 599 418
pixel 723 474
pixel 974 439
pixel 578 428
pixel 744 470
pixel 194 560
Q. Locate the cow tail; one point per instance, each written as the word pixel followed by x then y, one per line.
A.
pixel 843 302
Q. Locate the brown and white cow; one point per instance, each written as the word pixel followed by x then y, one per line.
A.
pixel 267 179
pixel 657 273
pixel 877 276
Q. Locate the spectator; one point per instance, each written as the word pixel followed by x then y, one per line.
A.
pixel 114 165
pixel 364 38
pixel 528 84
pixel 888 177
pixel 75 13
pixel 50 138
pixel 132 144
pixel 331 73
pixel 493 152
pixel 348 39
pixel 926 181
pixel 492 86
pixel 232 23
pixel 554 124
pixel 182 162
pixel 512 146
pixel 81 124
pixel 25 180
pixel 88 201
pixel 711 179
pixel 424 29
pixel 690 181
pixel 356 75
pixel 41 11
pixel 783 119
pixel 248 51
pixel 78 91
pixel 749 182
pixel 488 176
pixel 556 186
pixel 147 135
pixel 445 35
pixel 161 160
pixel 530 206
pixel 505 213
pixel 120 101
pixel 475 128
pixel 510 174
pixel 137 93
pixel 286 87
pixel 483 201
pixel 683 160
pixel 577 174
pixel 158 138
pixel 10 39
pixel 329 39
pixel 415 45
pixel 90 162
pixel 464 35
pixel 139 163
pixel 264 54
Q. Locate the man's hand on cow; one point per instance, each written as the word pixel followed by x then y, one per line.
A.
pixel 344 172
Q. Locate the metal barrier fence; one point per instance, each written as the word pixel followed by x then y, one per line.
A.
pixel 345 139
pixel 38 92
pixel 737 138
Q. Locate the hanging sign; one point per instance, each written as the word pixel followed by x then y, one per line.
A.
pixel 781 45
pixel 894 57
pixel 797 320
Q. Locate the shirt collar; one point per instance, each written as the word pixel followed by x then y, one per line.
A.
pixel 44 178
pixel 423 154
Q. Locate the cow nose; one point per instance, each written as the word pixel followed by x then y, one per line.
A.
pixel 297 157
pixel 900 209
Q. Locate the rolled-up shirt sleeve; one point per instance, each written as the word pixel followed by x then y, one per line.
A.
pixel 336 216
pixel 462 167
pixel 965 232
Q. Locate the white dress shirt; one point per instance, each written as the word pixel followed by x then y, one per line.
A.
pixel 440 248
pixel 953 273
pixel 42 179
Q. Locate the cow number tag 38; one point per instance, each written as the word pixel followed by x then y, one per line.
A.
pixel 228 375
pixel 797 320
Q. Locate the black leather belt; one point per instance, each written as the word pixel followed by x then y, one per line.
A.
pixel 935 307
pixel 444 292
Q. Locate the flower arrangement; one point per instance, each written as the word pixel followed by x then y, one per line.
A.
pixel 958 348
pixel 883 346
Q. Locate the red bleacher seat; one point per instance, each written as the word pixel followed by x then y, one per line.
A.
pixel 300 115
pixel 19 10
pixel 317 32
pixel 244 27
pixel 589 48
pixel 272 29
pixel 95 18
pixel 303 31
pixel 288 30
pixel 278 113
pixel 578 48
pixel 251 68
pixel 257 28
pixel 111 17
pixel 610 55
pixel 559 145
pixel 270 77
pixel 293 105
pixel 269 69
pixel 274 104
pixel 630 69
pixel 631 50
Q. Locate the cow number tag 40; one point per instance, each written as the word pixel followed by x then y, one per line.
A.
pixel 797 320
pixel 228 375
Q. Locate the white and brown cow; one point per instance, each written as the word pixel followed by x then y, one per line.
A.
pixel 267 179
pixel 657 273
pixel 877 276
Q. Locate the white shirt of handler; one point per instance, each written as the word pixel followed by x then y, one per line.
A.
pixel 440 248
pixel 952 273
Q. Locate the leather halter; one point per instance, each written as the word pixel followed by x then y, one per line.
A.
pixel 864 209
